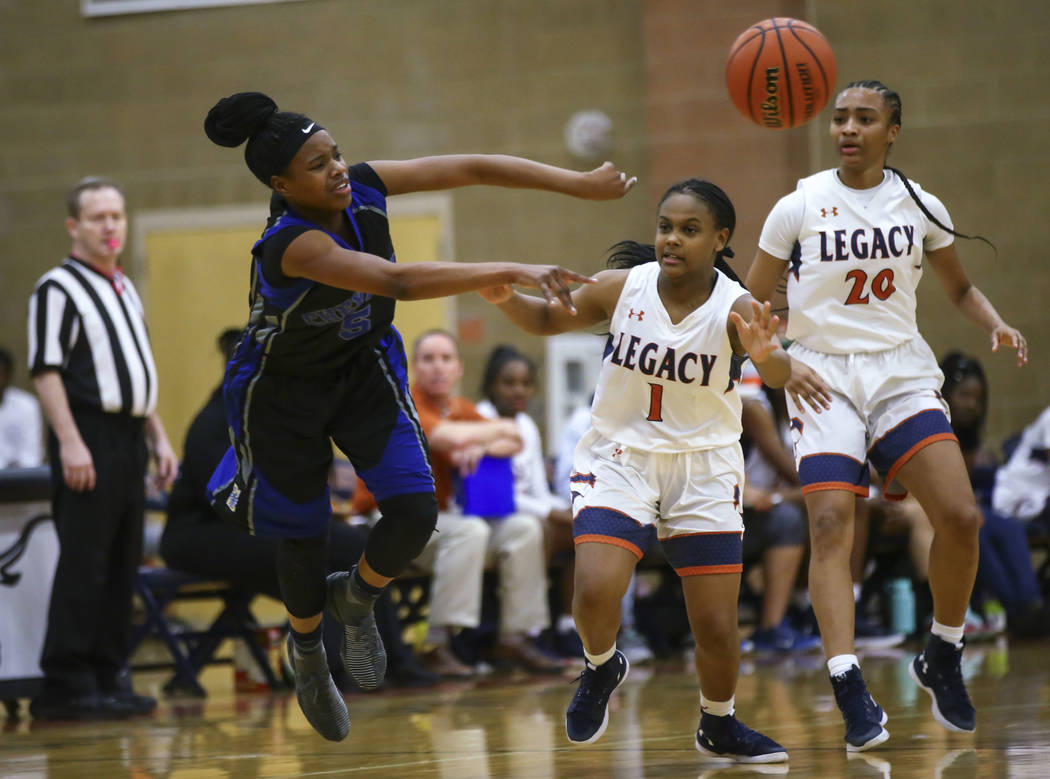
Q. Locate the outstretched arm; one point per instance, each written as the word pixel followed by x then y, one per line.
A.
pixel 605 182
pixel 314 255
pixel 592 303
pixel 973 304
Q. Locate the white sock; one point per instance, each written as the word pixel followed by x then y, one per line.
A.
pixel 953 636
pixel 604 657
pixel 566 623
pixel 716 708
pixel 839 664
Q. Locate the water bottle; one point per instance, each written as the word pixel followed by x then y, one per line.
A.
pixel 902 606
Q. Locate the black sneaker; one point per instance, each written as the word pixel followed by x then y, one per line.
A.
pixel 936 670
pixel 588 714
pixel 727 737
pixel 318 697
pixel 863 716
pixel 361 650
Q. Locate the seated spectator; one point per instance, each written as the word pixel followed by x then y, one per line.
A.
pixel 1022 485
pixel 463 545
pixel 508 384
pixel 774 517
pixel 198 541
pixel 21 424
pixel 1004 569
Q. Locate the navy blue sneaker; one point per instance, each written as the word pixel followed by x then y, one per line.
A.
pixel 727 737
pixel 936 670
pixel 782 638
pixel 588 714
pixel 863 716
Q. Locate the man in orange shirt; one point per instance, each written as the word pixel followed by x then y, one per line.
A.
pixel 462 545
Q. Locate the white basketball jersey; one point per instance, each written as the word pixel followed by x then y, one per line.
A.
pixel 855 260
pixel 665 387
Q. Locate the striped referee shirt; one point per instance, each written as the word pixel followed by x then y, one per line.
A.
pixel 91 328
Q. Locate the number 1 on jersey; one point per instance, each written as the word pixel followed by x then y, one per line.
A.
pixel 656 397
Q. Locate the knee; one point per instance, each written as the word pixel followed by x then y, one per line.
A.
pixel 472 532
pixel 405 526
pixel 966 521
pixel 827 530
pixel 527 529
pixel 720 629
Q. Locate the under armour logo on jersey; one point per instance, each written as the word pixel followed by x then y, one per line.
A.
pixel 618 452
pixel 631 314
pixel 834 211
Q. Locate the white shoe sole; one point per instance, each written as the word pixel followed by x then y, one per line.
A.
pixel 941 719
pixel 772 757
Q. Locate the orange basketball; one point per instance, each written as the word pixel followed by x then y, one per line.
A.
pixel 780 72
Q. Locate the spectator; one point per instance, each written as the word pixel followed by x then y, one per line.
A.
pixel 508 384
pixel 463 545
pixel 1004 569
pixel 774 521
pixel 196 540
pixel 21 426
pixel 90 358
pixel 1022 485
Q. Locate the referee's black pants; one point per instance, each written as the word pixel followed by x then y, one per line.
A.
pixel 100 548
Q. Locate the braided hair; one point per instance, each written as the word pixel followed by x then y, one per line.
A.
pixel 893 102
pixel 274 137
pixel 627 254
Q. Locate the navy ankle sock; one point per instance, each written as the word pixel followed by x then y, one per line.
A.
pixel 307 643
pixel 361 589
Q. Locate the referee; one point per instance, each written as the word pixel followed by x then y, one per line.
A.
pixel 91 363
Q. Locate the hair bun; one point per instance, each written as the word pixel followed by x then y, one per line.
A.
pixel 236 118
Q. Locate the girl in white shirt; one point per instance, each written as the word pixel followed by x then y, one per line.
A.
pixel 865 387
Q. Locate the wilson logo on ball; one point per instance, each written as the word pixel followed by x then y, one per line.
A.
pixel 780 72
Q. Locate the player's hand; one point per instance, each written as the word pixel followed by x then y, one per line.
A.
pixel 498 294
pixel 552 281
pixel 759 336
pixel 805 386
pixel 606 182
pixel 1004 335
pixel 78 467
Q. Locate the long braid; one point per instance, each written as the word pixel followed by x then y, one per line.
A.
pixel 893 100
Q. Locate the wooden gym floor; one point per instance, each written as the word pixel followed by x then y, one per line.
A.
pixel 514 727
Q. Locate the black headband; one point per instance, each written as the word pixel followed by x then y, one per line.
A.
pixel 275 160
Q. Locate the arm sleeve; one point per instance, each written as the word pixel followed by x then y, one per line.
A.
pixel 532 494
pixel 783 225
pixel 52 327
pixel 936 237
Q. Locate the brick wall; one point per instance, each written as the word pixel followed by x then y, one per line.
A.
pixel 126 96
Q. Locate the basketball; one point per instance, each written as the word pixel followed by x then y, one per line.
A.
pixel 780 72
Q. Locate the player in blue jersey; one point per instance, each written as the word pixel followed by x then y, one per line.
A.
pixel 320 361
pixel 663 453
